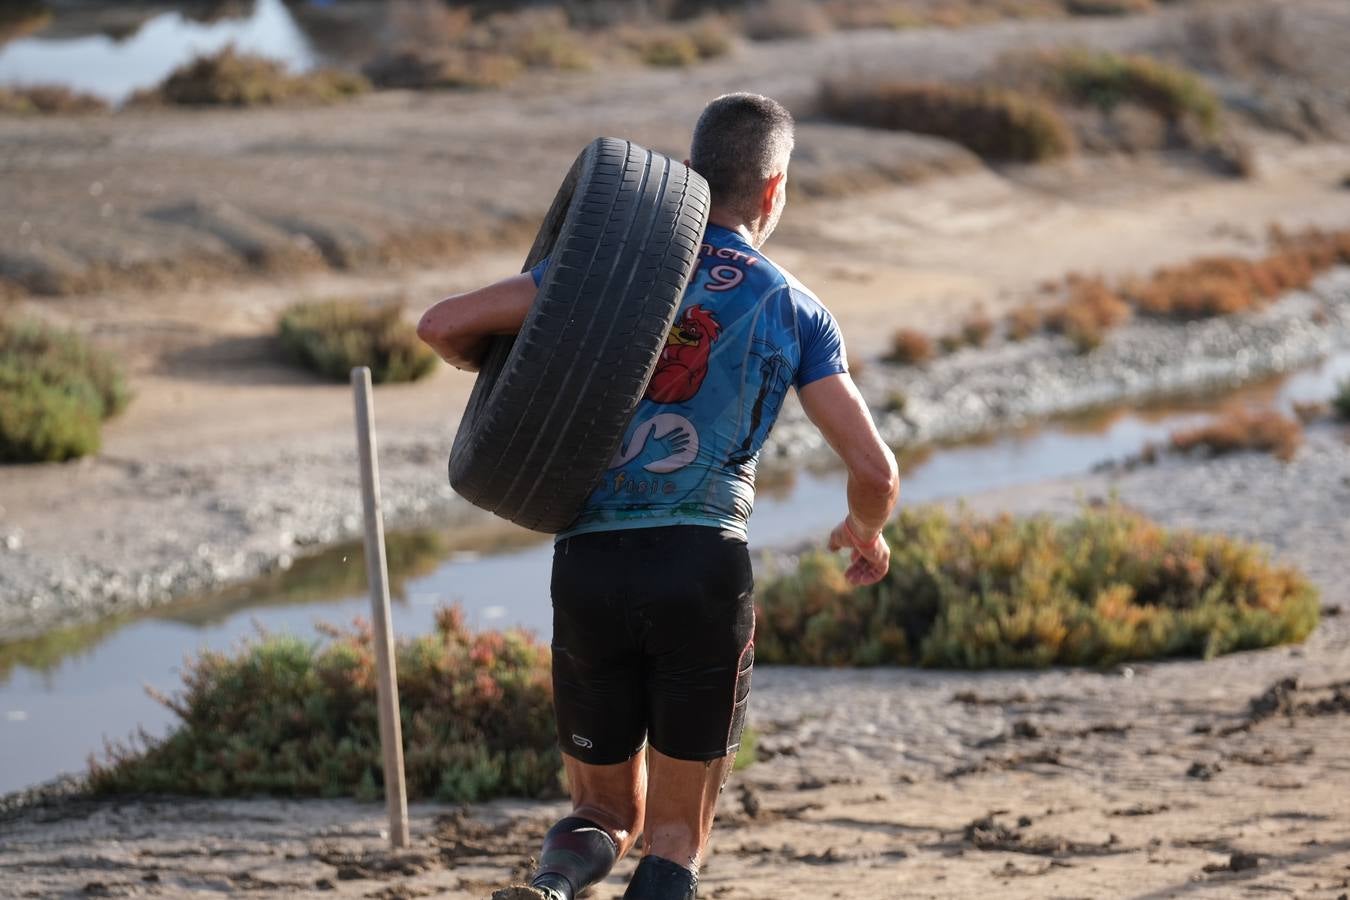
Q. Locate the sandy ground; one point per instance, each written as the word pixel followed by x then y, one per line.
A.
pixel 1146 781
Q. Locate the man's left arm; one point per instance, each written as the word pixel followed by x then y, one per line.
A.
pixel 459 326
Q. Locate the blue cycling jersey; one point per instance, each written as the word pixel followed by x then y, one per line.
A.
pixel 746 331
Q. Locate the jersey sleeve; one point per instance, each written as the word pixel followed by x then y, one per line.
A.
pixel 537 273
pixel 822 344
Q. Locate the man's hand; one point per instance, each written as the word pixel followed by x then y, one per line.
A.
pixel 871 558
pixel 838 410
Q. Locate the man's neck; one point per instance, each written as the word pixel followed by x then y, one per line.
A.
pixel 733 222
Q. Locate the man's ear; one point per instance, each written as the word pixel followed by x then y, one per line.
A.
pixel 766 202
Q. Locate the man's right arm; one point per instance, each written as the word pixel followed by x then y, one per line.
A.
pixel 458 327
pixel 835 406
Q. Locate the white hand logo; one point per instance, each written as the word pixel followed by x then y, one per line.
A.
pixel 675 432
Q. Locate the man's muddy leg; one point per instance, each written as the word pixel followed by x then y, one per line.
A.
pixel 681 802
pixel 606 820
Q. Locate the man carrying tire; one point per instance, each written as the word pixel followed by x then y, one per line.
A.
pixel 652 590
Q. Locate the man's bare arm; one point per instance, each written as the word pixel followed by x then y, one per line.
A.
pixel 835 407
pixel 459 326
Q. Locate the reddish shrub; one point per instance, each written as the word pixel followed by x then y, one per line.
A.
pixel 1023 322
pixel 1243 429
pixel 1090 310
pixel 976 329
pixel 910 347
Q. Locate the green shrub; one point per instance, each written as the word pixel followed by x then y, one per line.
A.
pixel 235 79
pixel 1106 80
pixel 1109 7
pixel 550 49
pixel 711 36
pixel 43 422
pixel 451 68
pixel 299 718
pixel 55 391
pixel 331 337
pixel 1341 402
pixel 1239 430
pixel 995 124
pixel 776 20
pixel 663 48
pixel 969 592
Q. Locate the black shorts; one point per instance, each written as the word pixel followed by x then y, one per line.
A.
pixel 653 639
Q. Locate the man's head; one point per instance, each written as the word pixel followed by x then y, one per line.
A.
pixel 741 145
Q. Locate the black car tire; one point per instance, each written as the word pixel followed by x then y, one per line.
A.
pixel 550 405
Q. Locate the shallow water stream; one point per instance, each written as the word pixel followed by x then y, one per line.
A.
pixel 115 68
pixel 63 694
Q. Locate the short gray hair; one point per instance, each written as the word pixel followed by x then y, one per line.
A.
pixel 739 141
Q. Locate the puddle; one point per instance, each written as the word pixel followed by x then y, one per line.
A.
pixel 114 68
pixel 62 694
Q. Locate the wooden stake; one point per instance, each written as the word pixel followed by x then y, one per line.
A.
pixel 377 572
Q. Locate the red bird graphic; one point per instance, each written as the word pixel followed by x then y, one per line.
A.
pixel 684 361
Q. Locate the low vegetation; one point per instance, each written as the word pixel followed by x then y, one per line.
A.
pixel 289 717
pixel 1107 80
pixel 22 17
pixel 976 329
pixel 996 124
pixel 1263 430
pixel 1024 321
pixel 664 48
pixel 542 39
pixel 1090 309
pixel 971 592
pixel 897 14
pixel 1341 402
pixel 331 337
pixel 1086 309
pixel 910 347
pixel 1110 7
pixel 229 78
pixel 436 46
pixel 775 20
pixel 48 99
pixel 1215 286
pixel 55 392
pixel 299 718
pixel 471 69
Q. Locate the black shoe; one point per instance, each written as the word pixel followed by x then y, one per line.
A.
pixel 661 879
pixel 545 887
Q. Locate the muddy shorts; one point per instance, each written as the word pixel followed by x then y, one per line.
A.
pixel 653 640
